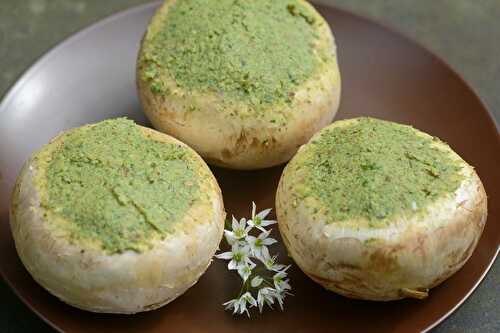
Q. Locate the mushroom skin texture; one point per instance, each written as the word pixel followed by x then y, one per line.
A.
pixel 406 257
pixel 85 276
pixel 232 133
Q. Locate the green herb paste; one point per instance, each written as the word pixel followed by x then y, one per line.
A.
pixel 253 51
pixel 116 187
pixel 375 169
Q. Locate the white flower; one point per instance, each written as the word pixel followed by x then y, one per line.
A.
pixel 258 245
pixel 265 296
pixel 232 304
pixel 244 248
pixel 256 281
pixel 270 262
pixel 258 220
pixel 246 270
pixel 249 298
pixel 280 282
pixel 239 305
pixel 238 256
pixel 239 231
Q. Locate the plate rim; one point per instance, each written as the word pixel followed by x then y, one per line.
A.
pixel 75 36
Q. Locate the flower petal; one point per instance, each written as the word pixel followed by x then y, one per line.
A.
pixel 234 223
pixel 232 265
pixel 264 235
pixel 262 215
pixel 236 307
pixel 279 275
pixel 225 256
pixel 286 285
pixel 279 297
pixel 286 268
pixel 277 267
pixel 251 239
pixel 245 250
pixel 252 301
pixel 265 223
pixel 245 272
pixel 230 237
pixel 264 252
pixel 235 248
pixel 230 304
pixel 269 241
pixel 265 258
pixel 243 305
pixel 248 297
pixel 260 302
pixel 261 228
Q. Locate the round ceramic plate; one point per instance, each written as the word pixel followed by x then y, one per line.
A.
pixel 90 77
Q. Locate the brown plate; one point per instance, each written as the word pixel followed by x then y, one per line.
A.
pixel 90 77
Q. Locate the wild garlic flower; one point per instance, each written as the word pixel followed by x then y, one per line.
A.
pixel 246 270
pixel 265 297
pixel 238 232
pixel 238 256
pixel 258 245
pixel 271 263
pixel 280 281
pixel 268 279
pixel 258 220
pixel 239 305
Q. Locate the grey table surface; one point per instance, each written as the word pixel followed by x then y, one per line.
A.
pixel 465 33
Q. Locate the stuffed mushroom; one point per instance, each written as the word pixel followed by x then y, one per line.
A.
pixel 380 211
pixel 114 217
pixel 244 83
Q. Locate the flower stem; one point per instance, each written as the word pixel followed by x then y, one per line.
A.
pixel 269 284
pixel 244 288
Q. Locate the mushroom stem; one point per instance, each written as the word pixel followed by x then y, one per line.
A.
pixel 412 293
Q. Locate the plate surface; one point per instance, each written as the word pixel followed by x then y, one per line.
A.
pixel 90 77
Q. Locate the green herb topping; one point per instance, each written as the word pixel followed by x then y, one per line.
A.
pixel 115 186
pixel 375 169
pixel 255 51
